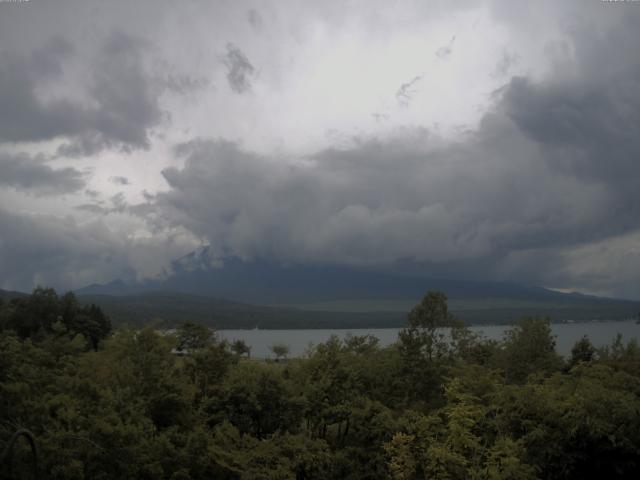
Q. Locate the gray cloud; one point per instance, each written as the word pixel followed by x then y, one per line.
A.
pixel 405 92
pixel 33 175
pixel 549 175
pixel 23 116
pixel 184 84
pixel 505 64
pixel 239 69
pixel 380 117
pixel 119 180
pixel 444 52
pixel 118 204
pixel 49 250
pixel 176 80
pixel 94 208
pixel 123 102
pixel 377 202
pixel 589 129
pixel 47 60
pixel 255 19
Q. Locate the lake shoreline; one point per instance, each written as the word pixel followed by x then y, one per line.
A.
pixel 473 325
pixel 601 333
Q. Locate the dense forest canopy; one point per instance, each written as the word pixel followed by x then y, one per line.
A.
pixel 122 404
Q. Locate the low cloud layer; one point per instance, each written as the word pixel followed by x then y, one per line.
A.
pixel 48 250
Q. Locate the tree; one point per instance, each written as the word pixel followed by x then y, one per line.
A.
pixel 35 314
pixel 457 441
pixel 206 367
pixel 529 347
pixel 280 350
pixel 361 344
pixel 148 370
pixel 256 399
pixel 91 322
pixel 68 307
pixel 239 347
pixel 425 348
pixel 582 351
pixel 193 336
pixel 425 336
pixel 44 313
pixel 329 388
pixel 88 320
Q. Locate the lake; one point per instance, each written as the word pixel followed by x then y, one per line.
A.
pixel 298 341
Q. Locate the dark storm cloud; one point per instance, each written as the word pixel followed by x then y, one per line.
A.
pixel 23 116
pixel 239 69
pixel 589 129
pixel 588 121
pixel 33 175
pixel 379 202
pixel 123 99
pixel 126 95
pixel 551 170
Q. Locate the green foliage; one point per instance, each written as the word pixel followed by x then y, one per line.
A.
pixel 193 336
pixel 240 348
pixel 207 367
pixel 427 347
pixel 582 351
pixel 280 350
pixel 622 356
pixel 43 313
pixel 257 400
pixel 529 348
pixel 441 403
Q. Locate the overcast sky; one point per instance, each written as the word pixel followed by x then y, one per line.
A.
pixel 488 140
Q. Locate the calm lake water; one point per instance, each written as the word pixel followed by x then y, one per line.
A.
pixel 298 341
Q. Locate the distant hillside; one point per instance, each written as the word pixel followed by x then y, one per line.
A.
pixel 331 296
pixel 267 283
pixel 168 309
pixel 8 294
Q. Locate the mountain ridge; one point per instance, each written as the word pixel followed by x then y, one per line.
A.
pixel 267 283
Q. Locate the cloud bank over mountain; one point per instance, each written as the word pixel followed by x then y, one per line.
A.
pixel 257 130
